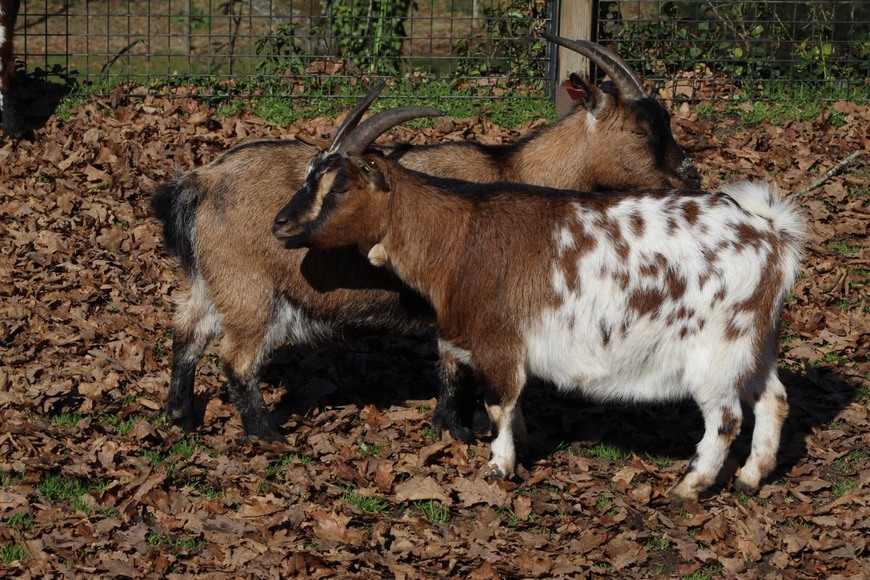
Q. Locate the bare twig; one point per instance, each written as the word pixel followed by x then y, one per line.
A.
pixel 829 173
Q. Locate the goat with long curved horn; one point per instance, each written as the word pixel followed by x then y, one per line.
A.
pixel 620 73
pixel 358 140
pixel 353 118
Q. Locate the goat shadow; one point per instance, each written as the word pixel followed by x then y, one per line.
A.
pixel 35 98
pixel 389 370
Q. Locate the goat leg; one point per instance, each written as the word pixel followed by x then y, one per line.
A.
pixel 246 397
pixel 454 409
pixel 179 404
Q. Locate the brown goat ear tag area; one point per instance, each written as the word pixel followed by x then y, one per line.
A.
pixel 576 93
pixel 371 173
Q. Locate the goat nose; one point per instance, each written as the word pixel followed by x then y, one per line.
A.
pixel 281 221
pixel 691 175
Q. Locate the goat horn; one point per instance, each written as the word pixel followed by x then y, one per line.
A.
pixel 617 69
pixel 356 114
pixel 376 125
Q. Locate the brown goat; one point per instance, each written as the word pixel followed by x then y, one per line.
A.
pixel 649 295
pixel 244 285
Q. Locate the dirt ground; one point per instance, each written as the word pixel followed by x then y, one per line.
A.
pixel 95 481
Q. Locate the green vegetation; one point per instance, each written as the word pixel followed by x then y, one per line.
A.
pixel 609 452
pixel 509 517
pixel 23 520
pixel 364 503
pixel 55 487
pixel 185 544
pixel 277 466
pixel 66 419
pixel 764 41
pixel 432 433
pixel 9 478
pixel 844 249
pixel 435 511
pixel 708 572
pixel 12 552
pixel 840 488
pixel 658 542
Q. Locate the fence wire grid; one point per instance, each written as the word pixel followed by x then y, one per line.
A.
pixel 688 50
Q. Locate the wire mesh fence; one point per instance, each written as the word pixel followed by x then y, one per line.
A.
pixel 453 48
pixel 794 49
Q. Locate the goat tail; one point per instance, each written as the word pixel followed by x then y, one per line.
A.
pixel 174 203
pixel 784 214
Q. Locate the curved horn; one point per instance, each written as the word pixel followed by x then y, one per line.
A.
pixel 376 125
pixel 356 114
pixel 627 81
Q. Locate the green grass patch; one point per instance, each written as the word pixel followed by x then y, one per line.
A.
pixel 435 511
pixel 708 572
pixel 25 521
pixel 658 542
pixel 230 108
pixel 432 433
pixel 10 478
pixel 657 460
pixel 844 249
pixel 609 452
pixel 840 488
pixel 364 503
pixel 836 424
pixel 12 552
pixel 66 419
pixel 179 545
pixel 508 516
pixel 277 466
pixel 508 113
pixel 54 487
pixel 835 357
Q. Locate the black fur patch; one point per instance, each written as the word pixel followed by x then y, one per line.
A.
pixel 175 204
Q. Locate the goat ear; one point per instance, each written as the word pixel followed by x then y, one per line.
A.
pixel 591 95
pixel 369 171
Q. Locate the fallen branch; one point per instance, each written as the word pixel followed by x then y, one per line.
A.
pixel 830 173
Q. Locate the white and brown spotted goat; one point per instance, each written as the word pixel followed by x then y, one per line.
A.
pixel 636 296
pixel 245 285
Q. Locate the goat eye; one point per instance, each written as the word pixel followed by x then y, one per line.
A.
pixel 641 133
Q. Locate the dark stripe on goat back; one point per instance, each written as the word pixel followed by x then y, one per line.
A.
pixel 487 191
pixel 175 204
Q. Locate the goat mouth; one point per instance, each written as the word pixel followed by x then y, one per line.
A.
pixel 293 241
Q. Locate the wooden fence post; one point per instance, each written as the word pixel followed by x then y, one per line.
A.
pixel 576 22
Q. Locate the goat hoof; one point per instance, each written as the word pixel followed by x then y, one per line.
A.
pixel 745 486
pixel 184 421
pixel 265 434
pixel 495 472
pixel 680 496
pixel 451 423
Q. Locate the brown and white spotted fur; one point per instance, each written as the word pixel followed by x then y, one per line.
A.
pixel 636 296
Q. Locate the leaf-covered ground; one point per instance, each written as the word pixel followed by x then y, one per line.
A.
pixel 94 481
